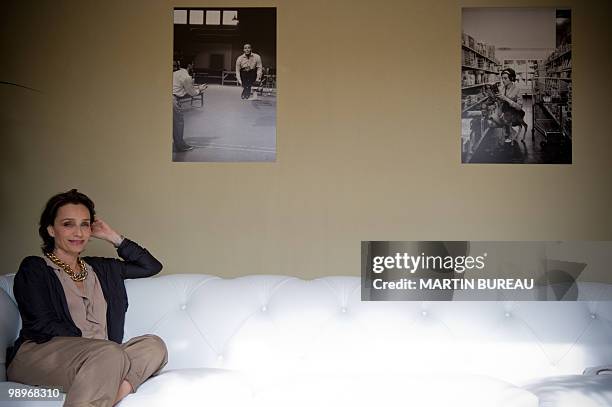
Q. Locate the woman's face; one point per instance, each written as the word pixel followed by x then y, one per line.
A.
pixel 505 79
pixel 71 229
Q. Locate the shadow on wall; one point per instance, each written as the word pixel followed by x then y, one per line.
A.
pixel 13 117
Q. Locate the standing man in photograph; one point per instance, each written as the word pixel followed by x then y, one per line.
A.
pixel 182 85
pixel 248 70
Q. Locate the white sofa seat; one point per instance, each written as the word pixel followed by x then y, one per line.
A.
pixel 275 338
pixel 573 391
pixel 391 390
pixel 193 387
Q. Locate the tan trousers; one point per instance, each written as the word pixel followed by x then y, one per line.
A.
pixel 88 370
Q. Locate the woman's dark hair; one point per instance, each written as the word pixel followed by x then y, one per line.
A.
pixel 50 212
pixel 511 74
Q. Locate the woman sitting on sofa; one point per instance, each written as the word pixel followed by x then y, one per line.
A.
pixel 73 310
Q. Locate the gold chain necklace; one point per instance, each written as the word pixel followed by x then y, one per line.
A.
pixel 73 275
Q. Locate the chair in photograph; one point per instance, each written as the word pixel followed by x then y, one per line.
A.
pixel 197 98
pixel 267 85
pixel 229 77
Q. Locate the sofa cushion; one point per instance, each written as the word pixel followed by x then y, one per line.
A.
pixel 224 388
pixel 439 390
pixel 573 391
pixel 185 388
pixel 192 387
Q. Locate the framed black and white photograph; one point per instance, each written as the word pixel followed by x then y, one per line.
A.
pixel 224 85
pixel 516 86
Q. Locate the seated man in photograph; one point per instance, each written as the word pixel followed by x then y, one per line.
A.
pixel 182 85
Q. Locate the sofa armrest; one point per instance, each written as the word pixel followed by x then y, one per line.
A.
pixel 10 323
pixel 598 370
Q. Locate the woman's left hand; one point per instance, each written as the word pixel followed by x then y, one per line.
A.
pixel 101 230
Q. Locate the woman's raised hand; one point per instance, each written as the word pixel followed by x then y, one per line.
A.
pixel 101 230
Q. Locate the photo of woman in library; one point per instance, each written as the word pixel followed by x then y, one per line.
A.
pixel 516 86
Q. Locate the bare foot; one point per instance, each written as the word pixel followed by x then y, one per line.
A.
pixel 125 388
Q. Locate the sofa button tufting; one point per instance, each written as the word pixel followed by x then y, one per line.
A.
pixel 508 315
pixel 424 313
pixel 264 308
pixel 343 310
pixel 593 316
pixel 183 307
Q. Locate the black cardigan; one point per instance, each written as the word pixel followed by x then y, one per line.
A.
pixel 42 302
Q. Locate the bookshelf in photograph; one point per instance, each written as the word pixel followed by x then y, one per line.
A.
pixel 479 68
pixel 552 90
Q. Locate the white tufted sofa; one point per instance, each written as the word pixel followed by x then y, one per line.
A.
pixel 278 341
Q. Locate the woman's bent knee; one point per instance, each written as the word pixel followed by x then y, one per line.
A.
pixel 159 351
pixel 157 344
pixel 110 356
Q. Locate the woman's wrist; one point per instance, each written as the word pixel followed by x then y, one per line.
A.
pixel 116 239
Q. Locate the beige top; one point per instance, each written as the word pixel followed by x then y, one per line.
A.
pixel 249 63
pixel 182 84
pixel 88 308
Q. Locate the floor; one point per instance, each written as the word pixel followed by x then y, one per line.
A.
pixel 228 128
pixel 530 149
